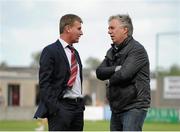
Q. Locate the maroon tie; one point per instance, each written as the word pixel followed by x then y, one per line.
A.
pixel 74 68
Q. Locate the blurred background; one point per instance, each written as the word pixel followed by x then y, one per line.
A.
pixel 26 27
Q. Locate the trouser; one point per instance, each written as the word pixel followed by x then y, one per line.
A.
pixel 131 120
pixel 69 117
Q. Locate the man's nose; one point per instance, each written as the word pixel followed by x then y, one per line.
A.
pixel 81 33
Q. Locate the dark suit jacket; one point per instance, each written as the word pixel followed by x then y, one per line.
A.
pixel 54 74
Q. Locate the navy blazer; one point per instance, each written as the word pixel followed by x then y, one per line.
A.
pixel 54 74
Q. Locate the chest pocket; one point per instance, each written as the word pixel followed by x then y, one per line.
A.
pixel 119 58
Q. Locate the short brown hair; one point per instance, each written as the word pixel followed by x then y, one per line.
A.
pixel 68 19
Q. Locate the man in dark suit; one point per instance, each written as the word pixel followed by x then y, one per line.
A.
pixel 60 79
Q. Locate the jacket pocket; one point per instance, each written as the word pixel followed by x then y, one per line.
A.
pixel 120 58
pixel 122 96
pixel 143 90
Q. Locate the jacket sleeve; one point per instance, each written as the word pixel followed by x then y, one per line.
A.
pixel 104 71
pixel 136 59
pixel 45 80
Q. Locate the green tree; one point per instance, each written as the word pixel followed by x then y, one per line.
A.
pixel 92 63
pixel 3 64
pixel 174 70
pixel 36 58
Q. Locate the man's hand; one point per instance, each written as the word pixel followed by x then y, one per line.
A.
pixel 117 68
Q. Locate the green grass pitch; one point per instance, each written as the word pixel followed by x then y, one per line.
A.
pixel 88 126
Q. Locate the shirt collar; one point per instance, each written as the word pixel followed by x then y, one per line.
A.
pixel 118 47
pixel 64 43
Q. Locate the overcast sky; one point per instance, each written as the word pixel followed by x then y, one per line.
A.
pixel 27 26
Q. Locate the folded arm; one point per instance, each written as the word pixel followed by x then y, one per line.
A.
pixel 104 71
pixel 133 63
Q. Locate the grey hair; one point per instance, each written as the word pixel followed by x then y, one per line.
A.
pixel 125 20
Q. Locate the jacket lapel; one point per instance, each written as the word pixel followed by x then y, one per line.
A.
pixel 80 64
pixel 77 57
pixel 62 52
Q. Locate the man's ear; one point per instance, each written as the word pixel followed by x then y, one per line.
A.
pixel 67 28
pixel 126 30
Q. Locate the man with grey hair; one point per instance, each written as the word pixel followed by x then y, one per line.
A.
pixel 126 67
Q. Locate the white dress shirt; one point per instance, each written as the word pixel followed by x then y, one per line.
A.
pixel 75 91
